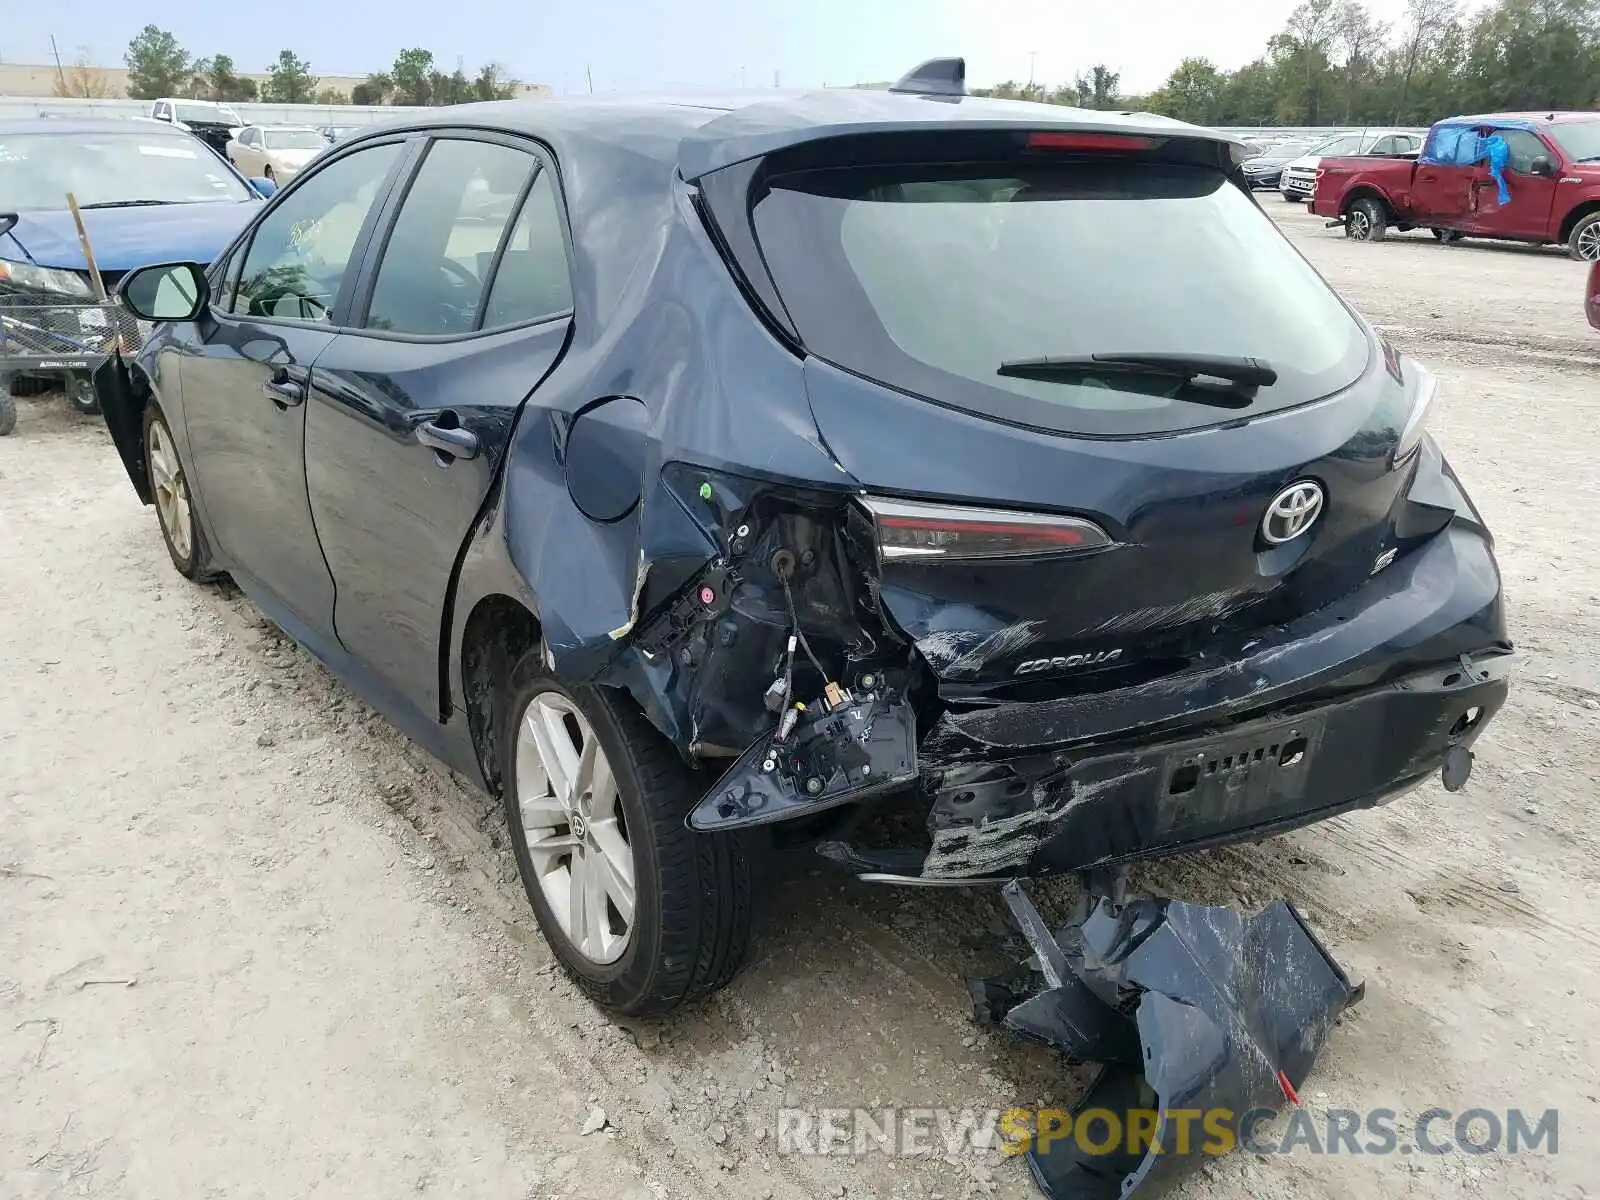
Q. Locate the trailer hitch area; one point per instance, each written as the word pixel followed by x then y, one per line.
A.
pixel 1201 1017
pixel 847 744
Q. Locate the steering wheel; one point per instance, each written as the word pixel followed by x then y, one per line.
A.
pixel 463 276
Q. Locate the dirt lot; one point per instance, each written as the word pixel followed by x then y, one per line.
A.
pixel 254 944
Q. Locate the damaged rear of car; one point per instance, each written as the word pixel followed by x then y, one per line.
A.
pixel 1019 484
pixel 961 489
pixel 1144 546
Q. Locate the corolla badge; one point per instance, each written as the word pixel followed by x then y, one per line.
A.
pixel 1062 662
pixel 1292 511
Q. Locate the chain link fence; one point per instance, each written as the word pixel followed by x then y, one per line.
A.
pixel 65 337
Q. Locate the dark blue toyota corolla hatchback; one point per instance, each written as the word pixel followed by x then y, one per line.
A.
pixel 703 477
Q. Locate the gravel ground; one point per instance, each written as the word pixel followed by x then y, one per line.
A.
pixel 252 943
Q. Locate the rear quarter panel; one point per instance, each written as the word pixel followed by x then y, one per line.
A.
pixel 1341 178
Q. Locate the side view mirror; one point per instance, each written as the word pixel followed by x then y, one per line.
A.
pixel 265 188
pixel 165 292
pixel 1542 166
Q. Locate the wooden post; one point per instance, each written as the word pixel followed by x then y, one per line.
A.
pixel 88 250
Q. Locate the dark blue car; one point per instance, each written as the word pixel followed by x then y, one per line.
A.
pixel 712 476
pixel 148 193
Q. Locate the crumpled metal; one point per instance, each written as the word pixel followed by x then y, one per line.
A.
pixel 1190 1009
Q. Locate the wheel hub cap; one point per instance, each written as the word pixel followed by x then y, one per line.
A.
pixel 574 828
pixel 171 490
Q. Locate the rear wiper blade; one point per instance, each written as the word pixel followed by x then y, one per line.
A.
pixel 125 203
pixel 1247 372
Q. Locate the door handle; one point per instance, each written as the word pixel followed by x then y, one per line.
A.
pixel 285 393
pixel 454 442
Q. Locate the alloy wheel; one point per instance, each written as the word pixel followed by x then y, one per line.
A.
pixel 1589 242
pixel 1359 224
pixel 172 491
pixel 572 820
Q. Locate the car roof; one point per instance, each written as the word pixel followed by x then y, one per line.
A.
pixel 1547 117
pixel 703 132
pixel 143 127
pixel 617 157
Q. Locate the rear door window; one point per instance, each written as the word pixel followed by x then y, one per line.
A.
pixel 928 278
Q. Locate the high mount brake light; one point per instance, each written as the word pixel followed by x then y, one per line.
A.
pixel 911 531
pixel 1088 141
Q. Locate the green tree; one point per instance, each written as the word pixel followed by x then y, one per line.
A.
pixel 1193 92
pixel 291 80
pixel 454 88
pixel 221 81
pixel 493 83
pixel 1424 26
pixel 375 89
pixel 332 96
pixel 157 65
pixel 1097 89
pixel 1359 38
pixel 412 75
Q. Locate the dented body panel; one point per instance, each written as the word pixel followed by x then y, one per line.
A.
pixel 1190 1010
pixel 677 507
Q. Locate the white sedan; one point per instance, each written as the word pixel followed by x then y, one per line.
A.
pixel 274 152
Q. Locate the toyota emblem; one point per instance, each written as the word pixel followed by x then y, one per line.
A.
pixel 1292 511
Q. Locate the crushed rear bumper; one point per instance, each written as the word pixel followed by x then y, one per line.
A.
pixel 1066 811
pixel 1347 708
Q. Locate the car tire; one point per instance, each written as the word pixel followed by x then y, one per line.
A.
pixel 80 394
pixel 268 173
pixel 694 895
pixel 174 504
pixel 1447 237
pixel 8 409
pixel 1366 220
pixel 1288 199
pixel 1583 243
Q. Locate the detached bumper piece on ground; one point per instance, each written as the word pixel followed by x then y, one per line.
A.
pixel 1187 1007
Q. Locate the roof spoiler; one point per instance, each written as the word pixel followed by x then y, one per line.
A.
pixel 936 77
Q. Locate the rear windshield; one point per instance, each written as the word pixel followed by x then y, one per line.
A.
pixel 293 139
pixel 206 114
pixel 928 278
pixel 1350 143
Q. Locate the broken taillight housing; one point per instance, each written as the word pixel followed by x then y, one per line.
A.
pixel 910 531
pixel 1416 424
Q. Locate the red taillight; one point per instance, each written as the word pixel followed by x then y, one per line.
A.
pixel 1088 141
pixel 912 531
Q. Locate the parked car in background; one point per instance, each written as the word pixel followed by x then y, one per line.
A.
pixel 1552 184
pixel 1299 178
pixel 213 124
pixel 275 152
pixel 691 503
pixel 147 192
pixel 1266 169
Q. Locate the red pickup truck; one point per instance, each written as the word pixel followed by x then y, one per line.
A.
pixel 1552 177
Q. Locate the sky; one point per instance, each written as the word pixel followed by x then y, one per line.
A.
pixel 632 45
